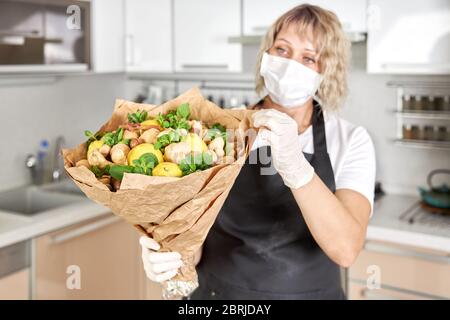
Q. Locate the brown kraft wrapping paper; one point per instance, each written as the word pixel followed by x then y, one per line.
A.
pixel 176 212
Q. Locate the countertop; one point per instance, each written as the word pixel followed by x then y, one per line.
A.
pixel 385 224
pixel 15 228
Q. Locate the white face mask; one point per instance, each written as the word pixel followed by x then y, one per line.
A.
pixel 288 82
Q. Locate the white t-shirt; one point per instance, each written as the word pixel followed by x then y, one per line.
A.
pixel 351 152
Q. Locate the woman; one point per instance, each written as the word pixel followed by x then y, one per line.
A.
pixel 284 236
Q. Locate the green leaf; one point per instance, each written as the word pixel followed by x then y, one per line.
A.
pixel 108 139
pixel 138 170
pixel 119 135
pixel 183 110
pixel 89 134
pixel 137 117
pixel 176 118
pixel 162 141
pixel 113 138
pixel 183 124
pixel 144 115
pixel 195 162
pixel 174 136
pixel 117 171
pixel 218 130
pixel 197 159
pixel 207 159
pixel 219 127
pixel 147 159
pixel 212 133
pixel 99 172
pixel 145 163
pixel 160 118
pixel 126 141
pixel 166 139
pixel 185 168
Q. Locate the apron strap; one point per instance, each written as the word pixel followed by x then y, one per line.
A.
pixel 320 142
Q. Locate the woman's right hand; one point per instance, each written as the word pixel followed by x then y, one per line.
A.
pixel 159 266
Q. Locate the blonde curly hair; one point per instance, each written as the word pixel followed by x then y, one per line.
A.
pixel 333 46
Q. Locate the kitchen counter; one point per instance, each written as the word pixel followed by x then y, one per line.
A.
pixel 386 225
pixel 15 228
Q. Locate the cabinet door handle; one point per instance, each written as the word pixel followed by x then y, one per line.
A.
pixel 377 294
pixel 78 232
pixel 444 68
pixel 372 295
pixel 260 29
pixel 386 249
pixel 205 66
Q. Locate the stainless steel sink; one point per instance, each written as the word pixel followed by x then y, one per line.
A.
pixel 30 200
pixel 66 186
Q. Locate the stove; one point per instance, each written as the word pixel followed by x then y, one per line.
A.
pixel 421 214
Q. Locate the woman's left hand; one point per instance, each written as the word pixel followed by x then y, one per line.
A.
pixel 287 155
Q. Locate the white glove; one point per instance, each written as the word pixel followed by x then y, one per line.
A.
pixel 159 266
pixel 287 155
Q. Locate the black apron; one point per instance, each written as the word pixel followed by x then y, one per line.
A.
pixel 260 246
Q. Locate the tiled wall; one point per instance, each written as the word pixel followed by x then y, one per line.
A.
pixel 52 106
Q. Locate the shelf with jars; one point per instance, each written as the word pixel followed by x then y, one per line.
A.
pixel 423 114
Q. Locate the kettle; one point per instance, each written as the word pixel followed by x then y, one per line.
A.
pixel 436 196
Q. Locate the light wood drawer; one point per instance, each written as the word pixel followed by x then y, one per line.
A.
pixel 359 291
pixel 404 267
pixel 15 286
pixel 106 251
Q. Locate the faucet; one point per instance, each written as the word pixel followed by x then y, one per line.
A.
pixel 40 172
pixel 31 162
pixel 57 164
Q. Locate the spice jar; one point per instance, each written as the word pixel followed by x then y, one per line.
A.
pixel 418 103
pixel 446 104
pixel 406 102
pixel 428 133
pixel 440 133
pixel 407 132
pixel 439 103
pixel 430 104
pixel 415 132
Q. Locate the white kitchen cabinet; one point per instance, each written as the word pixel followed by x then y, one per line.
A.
pixel 408 37
pixel 107 36
pixel 148 35
pixel 259 15
pixel 96 259
pixel 202 29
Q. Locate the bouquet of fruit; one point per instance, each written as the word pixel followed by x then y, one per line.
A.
pixel 168 145
pixel 165 169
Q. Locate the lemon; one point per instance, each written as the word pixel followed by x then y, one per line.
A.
pixel 195 142
pixel 141 149
pixel 151 122
pixel 167 169
pixel 96 144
